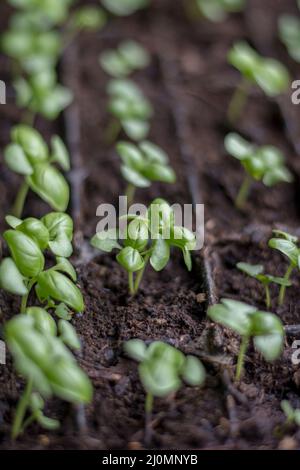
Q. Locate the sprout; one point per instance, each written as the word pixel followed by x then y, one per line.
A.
pixel 269 74
pixel 162 368
pixel 124 7
pixel 287 245
pixel 264 164
pixel 89 18
pixel 130 108
pixel 143 164
pixel 292 416
pixel 28 155
pixel 289 33
pixel 127 58
pixel 257 272
pixel 265 328
pixel 27 241
pixel 147 239
pixel 49 368
pixel 216 10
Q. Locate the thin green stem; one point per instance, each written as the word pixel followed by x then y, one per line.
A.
pixel 21 410
pixel 283 288
pixel 20 200
pixel 131 283
pixel 241 357
pixel 130 192
pixel 243 192
pixel 238 101
pixel 140 274
pixel 25 297
pixel 268 296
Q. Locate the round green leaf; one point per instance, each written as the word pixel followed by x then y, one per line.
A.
pixel 11 279
pixel 160 255
pixel 60 153
pixel 31 142
pixel 193 372
pixel 16 160
pixel 25 252
pixel 106 241
pixel 130 259
pixel 136 349
pixel 68 334
pixel 43 321
pixel 36 230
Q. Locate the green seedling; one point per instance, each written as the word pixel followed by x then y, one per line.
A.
pixel 162 369
pixel 268 74
pixel 29 156
pixel 142 164
pixel 257 272
pixel 289 33
pixel 217 10
pixel 42 358
pixel 51 12
pixel 121 62
pixel 287 245
pixel 265 163
pixel 131 110
pixel 28 241
pixel 265 328
pixel 147 239
pixel 124 7
pixel 292 416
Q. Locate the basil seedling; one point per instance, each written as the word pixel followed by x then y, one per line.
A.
pixel 287 245
pixel 257 272
pixel 130 108
pixel 265 328
pixel 289 33
pixel 264 164
pixel 142 164
pixel 217 10
pixel 27 241
pixel 49 368
pixel 269 74
pixel 147 239
pixel 128 57
pixel 292 416
pixel 124 7
pixel 162 368
pixel 29 156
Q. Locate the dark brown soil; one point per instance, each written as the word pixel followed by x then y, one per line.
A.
pixel 189 83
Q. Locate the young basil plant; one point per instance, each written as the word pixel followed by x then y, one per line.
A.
pixel 29 156
pixel 292 415
pixel 265 328
pixel 42 358
pixel 124 7
pixel 130 108
pixel 50 12
pixel 27 241
pixel 289 33
pixel 257 272
pixel 162 369
pixel 147 239
pixel 217 10
pixel 143 164
pixel 266 164
pixel 268 74
pixel 287 245
pixel 128 57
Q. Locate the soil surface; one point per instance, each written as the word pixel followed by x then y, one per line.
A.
pixel 189 84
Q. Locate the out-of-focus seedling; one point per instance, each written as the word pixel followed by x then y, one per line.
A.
pixel 292 416
pixel 128 57
pixel 42 358
pixel 130 108
pixel 268 74
pixel 217 10
pixel 287 245
pixel 289 33
pixel 27 241
pixel 257 272
pixel 124 7
pixel 265 328
pixel 148 238
pixel 162 368
pixel 29 156
pixel 264 164
pixel 143 164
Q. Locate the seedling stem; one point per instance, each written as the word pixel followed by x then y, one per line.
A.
pixel 283 288
pixel 238 100
pixel 241 357
pixel 21 410
pixel 130 192
pixel 243 192
pixel 20 200
pixel 268 296
pixel 148 415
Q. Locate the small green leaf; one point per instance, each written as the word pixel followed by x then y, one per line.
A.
pixel 193 372
pixel 63 312
pixel 153 152
pixel 31 142
pixel 25 252
pixel 160 255
pixel 232 314
pixel 16 160
pixel 237 146
pixel 135 178
pixel 286 247
pixel 252 270
pixel 106 240
pixel 43 321
pixel 36 230
pixel 136 349
pixel 89 18
pixel 134 55
pixel 64 266
pixel 68 334
pixel 60 153
pixel 11 279
pixel 13 221
pixel 130 259
pixel 136 129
